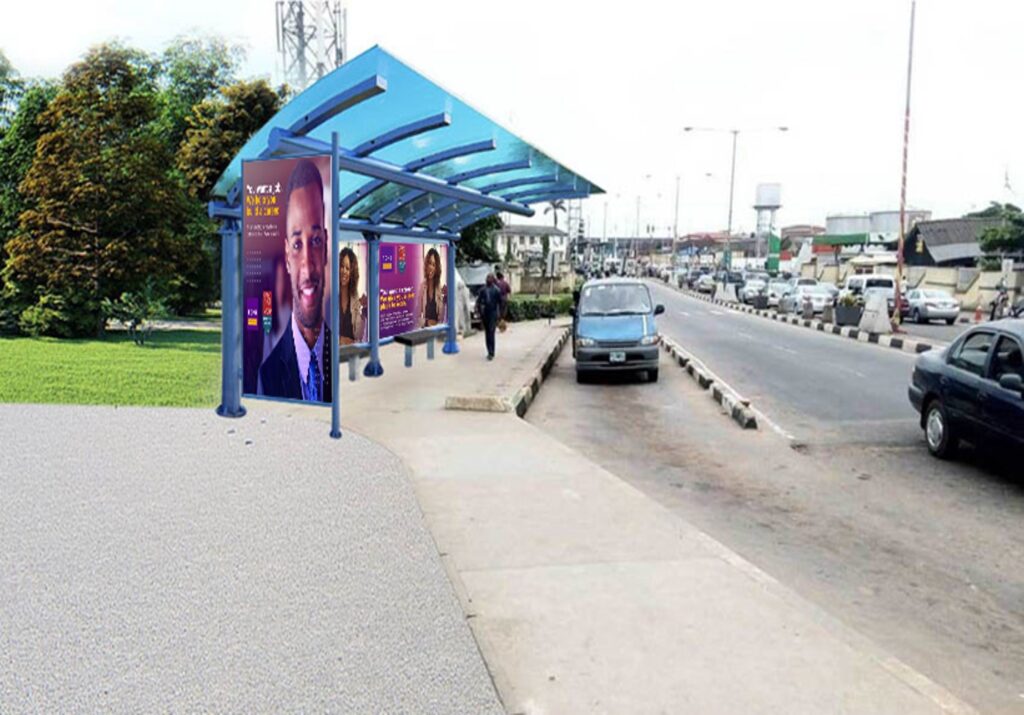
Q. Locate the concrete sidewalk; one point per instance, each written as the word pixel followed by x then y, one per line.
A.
pixel 584 594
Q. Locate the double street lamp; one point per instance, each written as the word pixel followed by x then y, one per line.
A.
pixel 732 174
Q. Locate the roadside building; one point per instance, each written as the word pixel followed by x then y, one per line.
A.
pixel 519 241
pixel 946 242
pixel 793 237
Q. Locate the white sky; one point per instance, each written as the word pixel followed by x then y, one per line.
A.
pixel 606 88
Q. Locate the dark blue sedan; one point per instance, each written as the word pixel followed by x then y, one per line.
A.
pixel 973 390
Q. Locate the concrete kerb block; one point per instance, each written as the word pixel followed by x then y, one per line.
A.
pixel 478 403
pixel 523 397
pixel 735 406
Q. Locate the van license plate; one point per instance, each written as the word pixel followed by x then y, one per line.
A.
pixel 617 357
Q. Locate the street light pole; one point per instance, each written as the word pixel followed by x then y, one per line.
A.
pixel 732 191
pixel 732 177
pixel 903 180
pixel 675 226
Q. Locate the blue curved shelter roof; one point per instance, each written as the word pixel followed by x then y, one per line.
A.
pixel 412 156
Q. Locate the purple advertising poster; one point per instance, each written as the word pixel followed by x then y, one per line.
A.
pixel 413 287
pixel 286 278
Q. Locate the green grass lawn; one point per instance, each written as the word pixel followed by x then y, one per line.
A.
pixel 179 368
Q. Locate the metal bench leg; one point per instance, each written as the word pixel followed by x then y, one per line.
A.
pixel 408 355
pixel 353 367
pixel 430 349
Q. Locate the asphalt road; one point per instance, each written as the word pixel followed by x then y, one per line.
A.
pixel 816 387
pixel 924 557
pixel 939 332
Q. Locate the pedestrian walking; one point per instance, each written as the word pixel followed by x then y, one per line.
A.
pixel 505 288
pixel 488 306
pixel 506 291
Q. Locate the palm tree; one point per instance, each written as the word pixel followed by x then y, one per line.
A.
pixel 553 208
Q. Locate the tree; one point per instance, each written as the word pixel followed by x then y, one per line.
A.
pixel 553 208
pixel 17 147
pixel 11 87
pixel 219 127
pixel 1008 237
pixel 101 204
pixel 193 70
pixel 216 130
pixel 475 243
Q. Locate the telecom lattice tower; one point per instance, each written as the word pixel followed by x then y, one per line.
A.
pixel 311 39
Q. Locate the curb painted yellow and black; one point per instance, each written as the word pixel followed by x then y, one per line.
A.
pixel 526 394
pixel 736 406
pixel 905 344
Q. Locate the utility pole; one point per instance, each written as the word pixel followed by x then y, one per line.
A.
pixel 732 178
pixel 903 180
pixel 732 190
pixel 675 225
pixel 604 231
pixel 636 231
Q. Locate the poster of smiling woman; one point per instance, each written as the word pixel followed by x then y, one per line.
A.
pixel 286 248
pixel 432 296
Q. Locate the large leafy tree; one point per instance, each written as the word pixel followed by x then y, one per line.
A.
pixel 10 89
pixel 1008 236
pixel 102 203
pixel 219 127
pixel 17 148
pixel 193 70
pixel 475 242
pixel 216 130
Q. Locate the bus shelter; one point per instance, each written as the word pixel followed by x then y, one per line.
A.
pixel 339 221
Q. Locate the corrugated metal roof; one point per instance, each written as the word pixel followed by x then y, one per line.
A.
pixel 946 232
pixel 953 251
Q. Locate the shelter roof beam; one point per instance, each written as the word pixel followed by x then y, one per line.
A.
pixel 284 143
pixel 420 126
pixel 357 93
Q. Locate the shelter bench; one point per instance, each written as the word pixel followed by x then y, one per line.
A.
pixel 419 337
pixel 351 354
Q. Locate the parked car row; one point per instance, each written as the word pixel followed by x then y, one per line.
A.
pixel 791 295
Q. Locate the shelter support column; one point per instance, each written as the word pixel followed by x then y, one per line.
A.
pixel 335 295
pixel 373 367
pixel 231 317
pixel 451 345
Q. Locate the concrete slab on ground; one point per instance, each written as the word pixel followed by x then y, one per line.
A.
pixel 160 560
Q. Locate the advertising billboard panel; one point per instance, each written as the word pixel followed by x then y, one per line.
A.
pixel 413 290
pixel 286 277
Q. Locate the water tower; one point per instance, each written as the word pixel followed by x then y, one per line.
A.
pixel 767 202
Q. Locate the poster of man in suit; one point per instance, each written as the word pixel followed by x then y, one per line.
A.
pixel 286 239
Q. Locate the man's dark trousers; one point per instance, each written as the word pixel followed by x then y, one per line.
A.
pixel 490 325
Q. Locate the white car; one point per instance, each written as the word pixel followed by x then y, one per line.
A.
pixel 754 286
pixel 926 305
pixel 705 284
pixel 794 301
pixel 777 289
pixel 860 285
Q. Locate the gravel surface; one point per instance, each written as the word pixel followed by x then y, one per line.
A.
pixel 160 560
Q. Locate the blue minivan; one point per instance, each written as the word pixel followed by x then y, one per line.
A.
pixel 613 329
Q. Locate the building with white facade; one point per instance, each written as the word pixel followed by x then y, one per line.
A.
pixel 524 240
